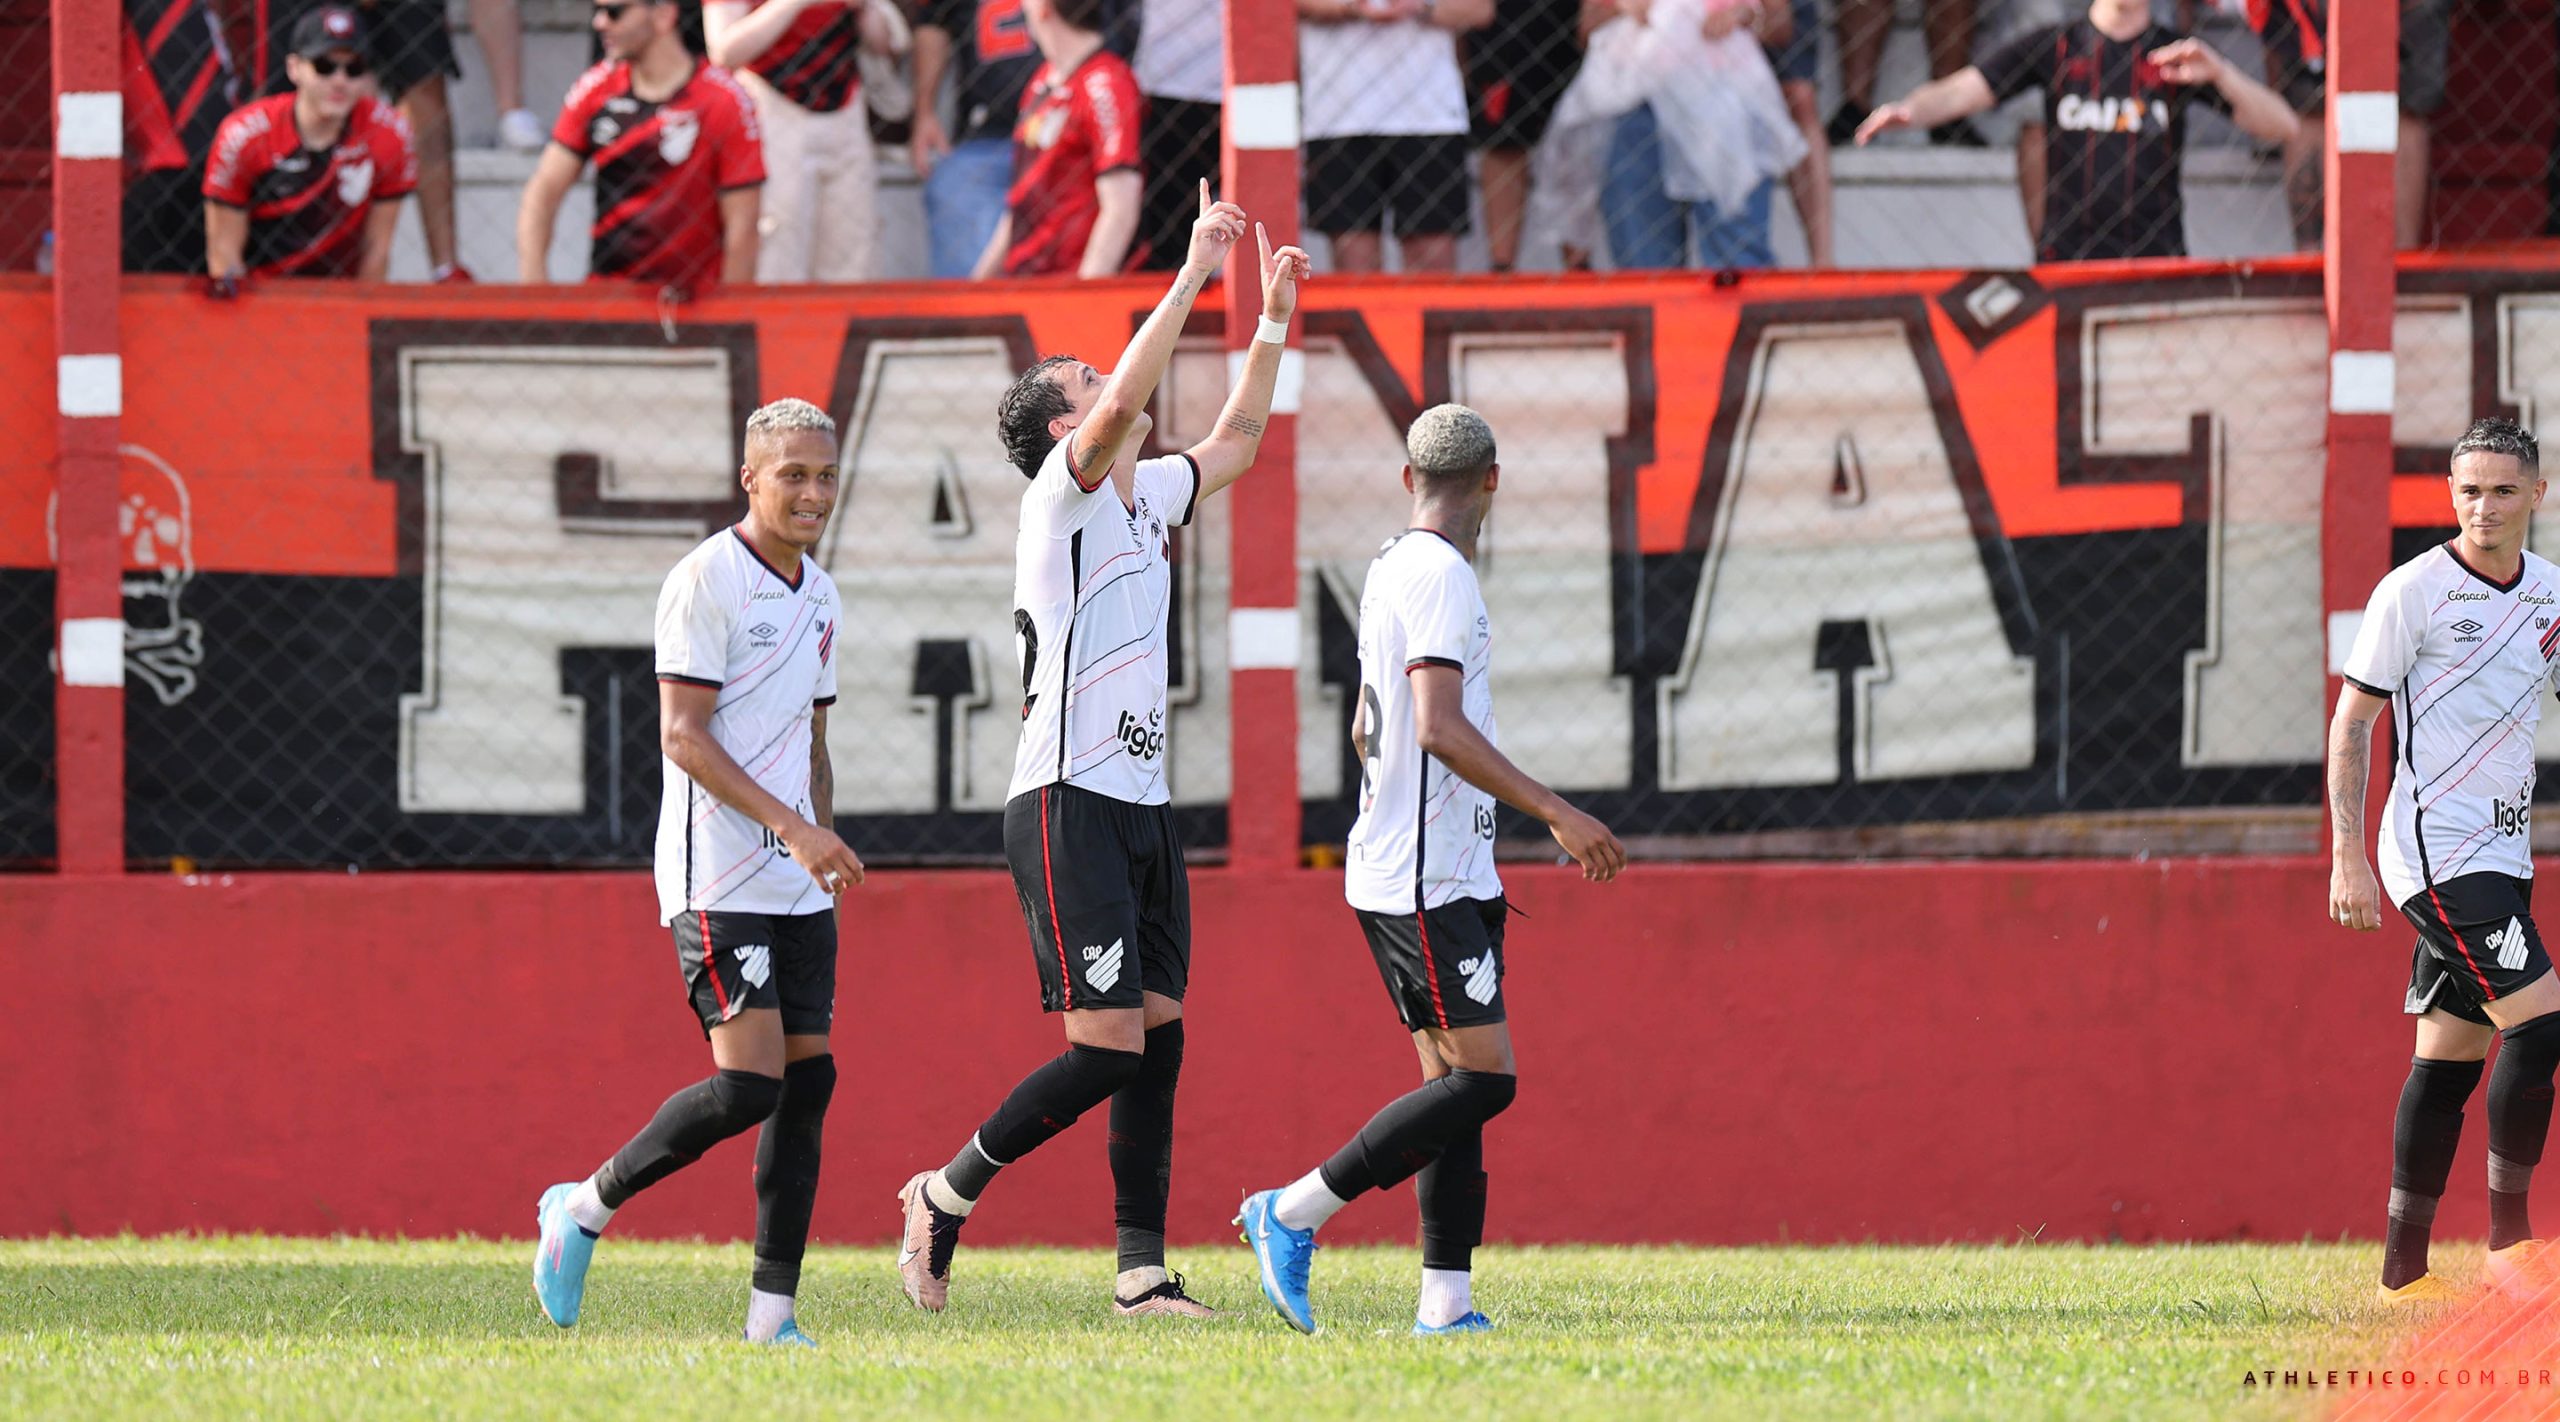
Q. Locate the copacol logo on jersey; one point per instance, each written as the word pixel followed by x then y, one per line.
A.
pixel 1146 741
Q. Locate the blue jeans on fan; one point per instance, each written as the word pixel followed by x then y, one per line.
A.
pixel 1648 231
pixel 963 202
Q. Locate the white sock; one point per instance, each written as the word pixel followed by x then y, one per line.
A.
pixel 1445 1298
pixel 587 1208
pixel 766 1313
pixel 942 1197
pixel 1133 1282
pixel 1307 1203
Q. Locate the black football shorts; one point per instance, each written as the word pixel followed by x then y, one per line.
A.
pixel 1104 894
pixel 1443 966
pixel 2476 944
pixel 734 961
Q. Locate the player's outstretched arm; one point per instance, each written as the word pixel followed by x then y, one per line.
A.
pixel 1440 723
pixel 1096 444
pixel 1231 448
pixel 1959 95
pixel 2354 898
pixel 684 734
pixel 552 178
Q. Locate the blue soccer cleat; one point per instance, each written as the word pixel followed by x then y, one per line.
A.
pixel 1470 1322
pixel 789 1337
pixel 560 1257
pixel 1283 1255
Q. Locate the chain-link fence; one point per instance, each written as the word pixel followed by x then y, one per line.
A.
pixel 1530 135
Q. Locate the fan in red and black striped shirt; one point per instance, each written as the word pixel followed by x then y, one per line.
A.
pixel 309 183
pixel 800 60
pixel 679 161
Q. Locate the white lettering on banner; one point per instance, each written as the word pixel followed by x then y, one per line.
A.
pixel 923 424
pixel 1839 504
pixel 1543 560
pixel 509 582
pixel 2253 689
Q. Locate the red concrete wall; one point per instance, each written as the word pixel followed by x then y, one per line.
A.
pixel 1725 1054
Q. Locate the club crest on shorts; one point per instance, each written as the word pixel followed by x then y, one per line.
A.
pixel 1484 977
pixel 2508 944
pixel 755 963
pixel 1102 965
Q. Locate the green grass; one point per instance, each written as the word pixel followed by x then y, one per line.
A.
pixel 277 1328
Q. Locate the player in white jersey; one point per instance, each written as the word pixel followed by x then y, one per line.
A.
pixel 1422 881
pixel 1088 827
pixel 2459 642
pixel 748 868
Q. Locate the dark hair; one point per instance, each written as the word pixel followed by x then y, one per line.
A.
pixel 1023 415
pixel 2497 436
pixel 1081 14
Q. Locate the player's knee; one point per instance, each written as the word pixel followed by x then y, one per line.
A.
pixel 809 1084
pixel 746 1097
pixel 1105 1070
pixel 1485 1094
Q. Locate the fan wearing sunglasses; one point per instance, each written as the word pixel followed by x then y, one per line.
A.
pixel 308 183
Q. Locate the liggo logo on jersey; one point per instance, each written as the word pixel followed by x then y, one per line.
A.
pixel 1143 741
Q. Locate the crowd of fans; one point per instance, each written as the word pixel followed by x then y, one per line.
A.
pixel 740 140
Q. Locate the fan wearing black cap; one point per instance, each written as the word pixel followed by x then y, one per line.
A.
pixel 309 183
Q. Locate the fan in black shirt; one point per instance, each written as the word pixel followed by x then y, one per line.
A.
pixel 2116 90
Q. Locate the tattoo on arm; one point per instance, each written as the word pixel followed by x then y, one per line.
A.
pixel 1185 287
pixel 2350 761
pixel 1242 424
pixel 822 776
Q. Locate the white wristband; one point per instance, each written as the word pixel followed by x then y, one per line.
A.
pixel 1272 332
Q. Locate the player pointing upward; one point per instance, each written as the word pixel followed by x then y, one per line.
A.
pixel 748 868
pixel 1421 876
pixel 1087 827
pixel 2459 642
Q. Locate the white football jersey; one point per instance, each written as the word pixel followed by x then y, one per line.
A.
pixel 2464 662
pixel 727 619
pixel 1424 836
pixel 1092 588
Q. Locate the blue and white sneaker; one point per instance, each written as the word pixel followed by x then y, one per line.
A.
pixel 560 1257
pixel 789 1337
pixel 1470 1322
pixel 1283 1255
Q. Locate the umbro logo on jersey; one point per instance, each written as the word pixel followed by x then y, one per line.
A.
pixel 763 629
pixel 2466 627
pixel 1102 965
pixel 1483 978
pixel 755 963
pixel 2508 944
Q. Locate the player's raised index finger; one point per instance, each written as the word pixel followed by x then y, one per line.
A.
pixel 1204 197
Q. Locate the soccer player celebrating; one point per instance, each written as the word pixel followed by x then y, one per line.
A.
pixel 1421 878
pixel 1087 828
pixel 2459 643
pixel 748 868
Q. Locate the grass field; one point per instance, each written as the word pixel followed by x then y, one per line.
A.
pixel 278 1328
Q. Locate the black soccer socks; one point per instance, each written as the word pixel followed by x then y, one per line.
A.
pixel 1412 1129
pixel 2519 1122
pixel 692 1121
pixel 1046 1102
pixel 1142 1148
pixel 2423 1138
pixel 1451 1189
pixel 787 1172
